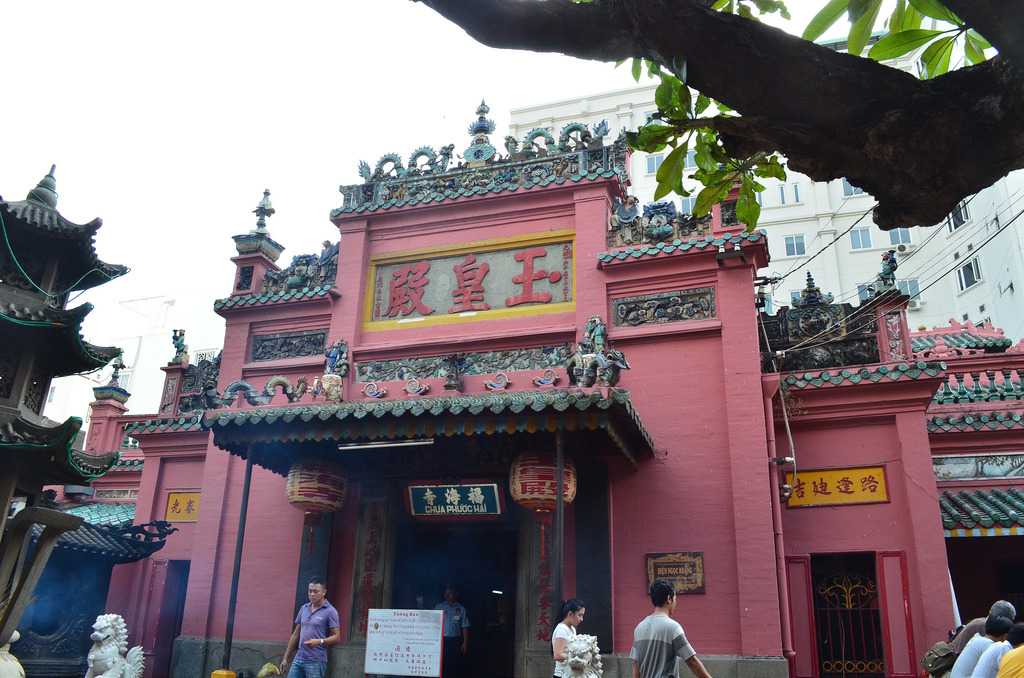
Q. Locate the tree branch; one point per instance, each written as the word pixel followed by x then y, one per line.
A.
pixel 999 21
pixel 918 146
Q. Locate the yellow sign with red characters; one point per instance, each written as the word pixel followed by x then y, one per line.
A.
pixel 838 487
pixel 182 507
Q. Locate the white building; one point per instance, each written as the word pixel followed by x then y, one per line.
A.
pixel 802 217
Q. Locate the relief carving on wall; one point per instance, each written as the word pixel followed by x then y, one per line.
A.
pixel 485 362
pixel 664 307
pixel 288 345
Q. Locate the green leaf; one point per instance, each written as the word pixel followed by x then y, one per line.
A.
pixel 746 12
pixel 637 65
pixel 895 23
pixel 709 196
pixel 662 190
pixel 978 39
pixel 936 57
pixel 897 44
pixel 828 15
pixel 771 168
pixel 936 10
pixel 772 6
pixel 973 52
pixel 653 69
pixel 722 5
pixel 861 29
pixel 702 103
pixel 663 95
pixel 912 19
pixel 651 137
pixel 684 99
pixel 747 209
pixel 619 62
pixel 672 165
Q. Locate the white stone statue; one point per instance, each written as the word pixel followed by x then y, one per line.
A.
pixel 109 656
pixel 9 666
pixel 583 656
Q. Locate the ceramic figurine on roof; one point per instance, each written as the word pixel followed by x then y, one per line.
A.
pixel 180 349
pixel 595 362
pixel 481 150
pixel 886 279
pixel 262 211
pixel 659 222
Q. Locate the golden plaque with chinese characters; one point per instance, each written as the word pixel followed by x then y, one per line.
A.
pixel 182 507
pixel 838 487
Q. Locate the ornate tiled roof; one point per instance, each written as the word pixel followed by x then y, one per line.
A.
pixel 960 337
pixel 116 515
pixel 970 509
pixel 536 161
pixel 872 374
pixel 19 436
pixel 973 387
pixel 976 421
pixel 129 465
pixel 163 425
pixel 678 247
pixel 248 300
pixel 58 332
pixel 39 212
pixel 498 412
pixel 117 543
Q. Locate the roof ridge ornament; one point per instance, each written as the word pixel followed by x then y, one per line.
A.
pixel 262 211
pixel 481 150
pixel 45 192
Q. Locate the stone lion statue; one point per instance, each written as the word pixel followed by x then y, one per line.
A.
pixel 109 656
pixel 584 656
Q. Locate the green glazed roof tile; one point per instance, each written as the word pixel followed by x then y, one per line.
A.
pixel 969 509
pixel 164 425
pixel 274 298
pixel 968 423
pixel 873 374
pixel 116 515
pixel 677 247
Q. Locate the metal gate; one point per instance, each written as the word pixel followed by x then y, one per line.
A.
pixel 847 617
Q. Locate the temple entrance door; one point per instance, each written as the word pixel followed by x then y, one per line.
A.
pixel 480 561
pixel 172 608
pixel 847 616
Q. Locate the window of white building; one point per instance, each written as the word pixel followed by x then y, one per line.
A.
pixel 688 203
pixel 899 236
pixel 795 245
pixel 794 297
pixel 849 189
pixel 654 162
pixel 863 292
pixel 969 274
pixel 958 217
pixel 691 159
pixel 782 194
pixel 796 192
pixel 910 287
pixel 860 238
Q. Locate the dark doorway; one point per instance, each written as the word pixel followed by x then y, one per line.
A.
pixel 847 616
pixel 172 609
pixel 480 561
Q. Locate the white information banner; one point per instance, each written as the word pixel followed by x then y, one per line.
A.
pixel 404 642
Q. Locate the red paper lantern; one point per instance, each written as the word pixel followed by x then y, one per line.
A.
pixel 316 486
pixel 532 481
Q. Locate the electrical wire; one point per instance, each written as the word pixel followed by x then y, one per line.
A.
pixel 803 345
pixel 834 241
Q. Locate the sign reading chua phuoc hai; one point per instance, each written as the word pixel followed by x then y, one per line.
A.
pixel 684 570
pixel 477 500
pixel 838 487
pixel 474 281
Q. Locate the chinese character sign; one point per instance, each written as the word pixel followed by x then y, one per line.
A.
pixel 838 486
pixel 403 642
pixel 182 507
pixel 469 501
pixel 475 282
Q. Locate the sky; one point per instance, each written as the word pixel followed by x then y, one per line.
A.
pixel 169 120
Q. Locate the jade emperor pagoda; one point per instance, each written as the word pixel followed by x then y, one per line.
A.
pixel 502 374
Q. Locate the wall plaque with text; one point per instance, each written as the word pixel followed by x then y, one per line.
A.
pixel 683 569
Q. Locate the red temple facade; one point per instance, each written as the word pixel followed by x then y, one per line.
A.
pixel 806 478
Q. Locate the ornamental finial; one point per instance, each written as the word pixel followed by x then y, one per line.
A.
pixel 262 211
pixel 45 192
pixel 480 150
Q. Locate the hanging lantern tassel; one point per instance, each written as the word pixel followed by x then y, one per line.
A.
pixel 544 518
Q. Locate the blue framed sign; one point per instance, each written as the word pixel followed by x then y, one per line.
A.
pixel 471 500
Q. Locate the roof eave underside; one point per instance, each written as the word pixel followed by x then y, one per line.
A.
pixel 272 434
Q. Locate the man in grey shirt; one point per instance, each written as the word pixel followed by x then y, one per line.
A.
pixel 659 642
pixel 1000 608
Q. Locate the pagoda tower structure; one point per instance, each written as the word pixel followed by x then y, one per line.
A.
pixel 44 259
